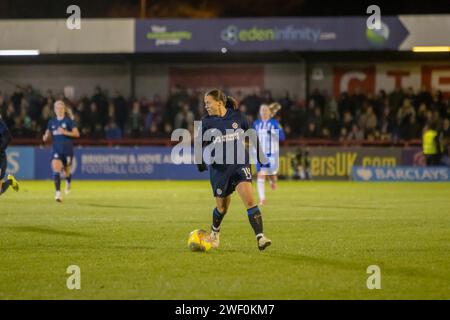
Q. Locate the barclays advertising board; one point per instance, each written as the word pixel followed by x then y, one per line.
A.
pixel 99 163
pixel 401 173
pixel 267 34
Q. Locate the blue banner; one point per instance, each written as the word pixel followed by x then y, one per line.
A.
pixel 400 173
pixel 21 162
pixel 103 163
pixel 267 35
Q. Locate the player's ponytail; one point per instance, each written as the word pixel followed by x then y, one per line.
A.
pixel 69 112
pixel 231 103
pixel 274 108
pixel 228 101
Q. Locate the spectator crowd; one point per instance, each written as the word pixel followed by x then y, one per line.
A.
pixel 392 116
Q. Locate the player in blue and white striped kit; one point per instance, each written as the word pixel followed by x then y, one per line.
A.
pixel 62 128
pixel 269 134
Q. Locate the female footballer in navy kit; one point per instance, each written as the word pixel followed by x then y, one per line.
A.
pixel 62 128
pixel 226 178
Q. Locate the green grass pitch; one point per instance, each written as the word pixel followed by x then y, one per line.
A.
pixel 129 240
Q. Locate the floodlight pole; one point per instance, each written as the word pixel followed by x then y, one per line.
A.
pixel 143 9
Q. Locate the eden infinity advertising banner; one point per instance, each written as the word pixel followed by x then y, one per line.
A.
pixel 267 34
pixel 121 164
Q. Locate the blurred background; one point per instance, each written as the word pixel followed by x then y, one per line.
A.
pixel 137 70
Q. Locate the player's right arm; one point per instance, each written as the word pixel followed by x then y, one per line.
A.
pixel 46 135
pixel 255 124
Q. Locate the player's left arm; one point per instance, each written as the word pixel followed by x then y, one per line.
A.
pixel 73 134
pixel 72 131
pixel 278 127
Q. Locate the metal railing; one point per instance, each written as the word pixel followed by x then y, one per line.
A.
pixel 167 142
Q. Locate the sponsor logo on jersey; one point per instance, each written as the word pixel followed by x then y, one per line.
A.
pixel 226 137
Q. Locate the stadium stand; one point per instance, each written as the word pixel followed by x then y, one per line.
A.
pixel 386 117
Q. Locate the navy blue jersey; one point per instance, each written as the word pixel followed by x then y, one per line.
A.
pixel 224 177
pixel 217 127
pixel 5 136
pixel 3 126
pixel 61 144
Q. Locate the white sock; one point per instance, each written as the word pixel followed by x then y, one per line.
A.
pixel 271 182
pixel 302 174
pixel 260 185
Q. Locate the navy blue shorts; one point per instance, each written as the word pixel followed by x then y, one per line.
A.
pixel 66 158
pixel 224 180
pixel 3 165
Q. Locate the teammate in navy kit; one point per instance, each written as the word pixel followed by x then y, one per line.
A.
pixel 269 134
pixel 62 128
pixel 5 139
pixel 225 178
